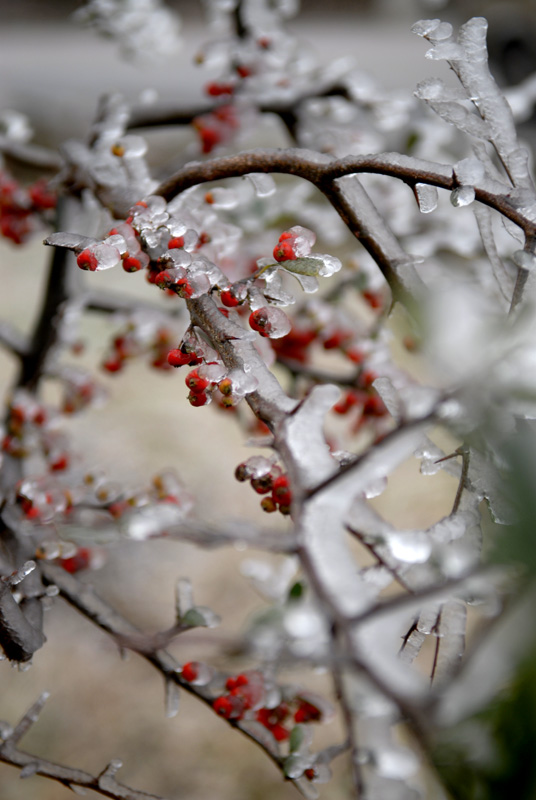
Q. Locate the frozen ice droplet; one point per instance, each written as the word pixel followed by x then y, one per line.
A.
pixel 263 184
pixel 107 256
pixel 330 265
pixel 302 241
pixel 426 197
pixel 243 382
pixel 274 323
pixel 462 196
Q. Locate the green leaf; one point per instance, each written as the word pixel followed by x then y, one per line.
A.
pixel 302 266
pixel 193 619
pixel 297 736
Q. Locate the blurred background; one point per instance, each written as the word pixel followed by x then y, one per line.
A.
pixel 102 707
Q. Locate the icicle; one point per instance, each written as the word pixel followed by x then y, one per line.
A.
pixel 426 197
pixel 172 698
pixel 263 183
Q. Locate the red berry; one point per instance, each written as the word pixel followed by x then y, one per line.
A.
pixel 87 260
pixel 374 406
pixel 284 252
pixel 176 242
pixel 113 364
pixel 41 196
pixel 280 492
pixel 217 89
pixel 163 279
pixel 60 463
pixel 355 355
pixel 229 298
pixel 80 560
pixel 195 382
pixel 183 288
pixel 131 264
pixel 367 378
pixel 39 417
pixel 259 321
pixel 268 505
pixel 310 774
pixel 176 358
pixel 223 706
pixel 226 387
pixel 230 684
pixel 262 485
pixel 197 400
pixel 307 712
pixel 190 671
pixel 374 299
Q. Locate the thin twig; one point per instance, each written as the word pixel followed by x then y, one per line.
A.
pixel 465 454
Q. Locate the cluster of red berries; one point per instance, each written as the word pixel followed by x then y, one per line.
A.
pixel 82 559
pixel 273 483
pixel 284 249
pixel 22 207
pixel 128 345
pixel 179 285
pixel 363 399
pixel 295 345
pixel 22 424
pixel 217 127
pixel 245 695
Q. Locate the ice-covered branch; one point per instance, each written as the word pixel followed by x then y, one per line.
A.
pixel 307 165
pixel 87 602
pixel 104 784
pixel 30 155
pixel 12 340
